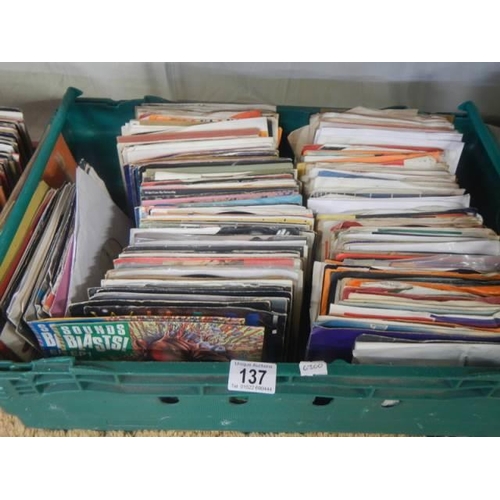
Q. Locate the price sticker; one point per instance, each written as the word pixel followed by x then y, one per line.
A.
pixel 311 368
pixel 252 376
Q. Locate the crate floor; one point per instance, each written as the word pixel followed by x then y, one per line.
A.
pixel 11 426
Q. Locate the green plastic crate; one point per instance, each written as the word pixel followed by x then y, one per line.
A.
pixel 61 393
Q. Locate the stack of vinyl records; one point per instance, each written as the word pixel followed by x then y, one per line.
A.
pixel 403 261
pixel 65 242
pixel 16 150
pixel 26 272
pixel 217 265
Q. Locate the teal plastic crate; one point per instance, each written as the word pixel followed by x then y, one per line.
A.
pixel 62 393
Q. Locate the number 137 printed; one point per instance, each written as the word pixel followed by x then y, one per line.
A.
pixel 249 376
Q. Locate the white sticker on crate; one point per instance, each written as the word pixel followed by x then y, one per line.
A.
pixel 252 376
pixel 311 368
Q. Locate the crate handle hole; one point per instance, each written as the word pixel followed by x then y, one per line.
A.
pixel 169 400
pixel 238 401
pixel 390 403
pixel 321 401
